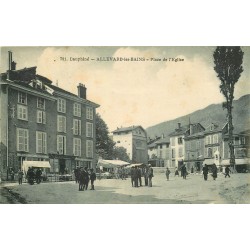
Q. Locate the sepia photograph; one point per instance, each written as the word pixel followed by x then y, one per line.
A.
pixel 125 125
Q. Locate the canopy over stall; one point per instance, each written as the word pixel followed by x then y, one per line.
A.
pixel 134 165
pixel 35 164
pixel 112 163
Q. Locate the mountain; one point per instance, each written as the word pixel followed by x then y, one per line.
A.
pixel 212 113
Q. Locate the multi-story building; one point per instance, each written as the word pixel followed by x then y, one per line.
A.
pixel 179 153
pixel 42 122
pixel 163 152
pixel 241 151
pixel 134 140
pixel 213 137
pixel 194 151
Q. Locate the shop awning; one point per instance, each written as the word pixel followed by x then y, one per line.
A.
pixel 35 164
pixel 242 161
pixel 208 161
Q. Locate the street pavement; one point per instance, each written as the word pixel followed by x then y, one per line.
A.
pixel 193 190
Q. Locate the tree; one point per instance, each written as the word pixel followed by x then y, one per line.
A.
pixel 228 66
pixel 120 153
pixel 104 144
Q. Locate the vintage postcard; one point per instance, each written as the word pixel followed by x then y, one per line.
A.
pixel 124 125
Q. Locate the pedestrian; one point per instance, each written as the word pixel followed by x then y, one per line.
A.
pixel 77 174
pixel 214 171
pixel 145 174
pixel 92 178
pixel 227 170
pixel 205 172
pixel 132 175
pixel 136 176
pixel 150 176
pixel 183 171
pixel 80 179
pixel 20 176
pixel 38 176
pixel 192 169
pixel 167 173
pixel 86 178
pixel 176 172
pixel 139 176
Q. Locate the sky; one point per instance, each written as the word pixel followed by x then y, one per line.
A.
pixel 129 93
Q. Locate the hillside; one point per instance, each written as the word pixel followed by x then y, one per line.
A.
pixel 212 113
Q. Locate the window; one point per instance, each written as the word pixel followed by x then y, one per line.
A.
pixel 209 153
pixel 61 123
pixel 180 140
pixel 180 152
pixel 173 153
pixel 208 139
pixel 22 140
pixel 77 109
pixel 41 142
pixel 89 129
pixel 77 147
pixel 242 140
pixel 61 105
pixel 41 117
pixel 61 144
pixel 89 148
pixel 22 112
pixel 215 138
pixel 89 113
pixel 198 144
pixel 22 98
pixel 173 141
pixel 40 103
pixel 77 127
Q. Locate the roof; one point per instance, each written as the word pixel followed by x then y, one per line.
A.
pixel 127 129
pixel 163 140
pixel 179 131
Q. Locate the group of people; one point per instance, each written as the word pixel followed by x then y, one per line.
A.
pixel 34 175
pixel 205 172
pixel 82 177
pixel 137 173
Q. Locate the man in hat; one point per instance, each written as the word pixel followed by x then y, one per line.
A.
pixel 92 178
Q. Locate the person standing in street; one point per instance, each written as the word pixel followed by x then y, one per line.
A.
pixel 132 175
pixel 214 171
pixel 139 176
pixel 205 172
pixel 145 174
pixel 184 171
pixel 150 176
pixel 136 176
pixel 80 179
pixel 167 173
pixel 92 178
pixel 20 176
pixel 227 170
pixel 176 172
pixel 85 178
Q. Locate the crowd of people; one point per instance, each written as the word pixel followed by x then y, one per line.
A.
pixel 136 174
pixel 83 176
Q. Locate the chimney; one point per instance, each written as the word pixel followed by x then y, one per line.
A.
pixel 13 65
pixel 10 59
pixel 81 91
pixel 179 125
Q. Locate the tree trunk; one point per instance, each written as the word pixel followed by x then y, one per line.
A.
pixel 231 139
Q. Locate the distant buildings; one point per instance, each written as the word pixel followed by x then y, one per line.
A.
pixel 195 146
pixel 134 140
pixel 43 122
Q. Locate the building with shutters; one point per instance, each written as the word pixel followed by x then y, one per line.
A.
pixel 134 140
pixel 43 122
